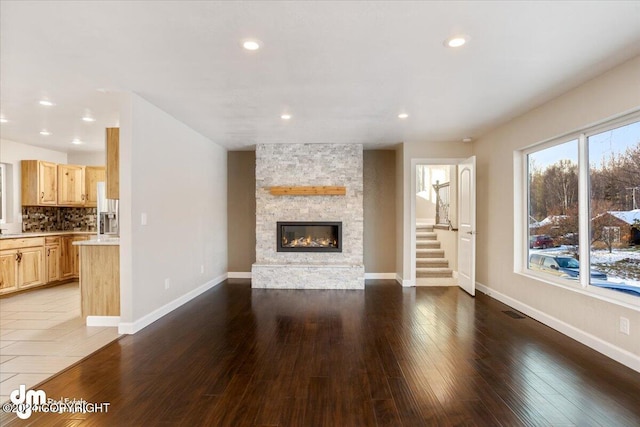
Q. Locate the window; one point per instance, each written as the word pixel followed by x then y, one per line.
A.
pixel 583 200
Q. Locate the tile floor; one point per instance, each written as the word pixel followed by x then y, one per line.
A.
pixel 42 333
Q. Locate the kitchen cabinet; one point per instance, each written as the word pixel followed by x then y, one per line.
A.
pixel 31 267
pixel 100 280
pixel 39 183
pixel 8 271
pixel 71 185
pixel 69 258
pixel 93 175
pixel 21 264
pixel 113 163
pixel 52 263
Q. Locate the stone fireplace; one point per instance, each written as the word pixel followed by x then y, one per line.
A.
pixel 309 241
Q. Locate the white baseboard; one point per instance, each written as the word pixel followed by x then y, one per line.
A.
pixel 403 282
pixel 380 275
pixel 103 321
pixel 616 353
pixel 239 275
pixel 133 327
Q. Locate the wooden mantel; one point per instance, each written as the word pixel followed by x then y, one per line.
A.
pixel 308 191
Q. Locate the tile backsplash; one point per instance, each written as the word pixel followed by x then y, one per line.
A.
pixel 41 218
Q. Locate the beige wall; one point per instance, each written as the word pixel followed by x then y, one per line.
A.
pixel 595 320
pixel 379 211
pixel 241 209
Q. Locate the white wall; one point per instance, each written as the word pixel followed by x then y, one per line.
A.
pixel 90 158
pixel 591 320
pixel 178 178
pixel 11 153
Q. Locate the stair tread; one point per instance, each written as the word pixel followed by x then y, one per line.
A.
pixel 434 269
pixel 430 261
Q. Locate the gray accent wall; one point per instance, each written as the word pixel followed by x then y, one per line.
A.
pixel 379 211
pixel 241 209
pixel 379 171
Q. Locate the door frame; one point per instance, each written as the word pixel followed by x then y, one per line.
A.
pixel 412 234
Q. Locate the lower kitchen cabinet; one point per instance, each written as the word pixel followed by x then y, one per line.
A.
pixel 34 261
pixel 21 266
pixel 31 267
pixel 8 271
pixel 52 253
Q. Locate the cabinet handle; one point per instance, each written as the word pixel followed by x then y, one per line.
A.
pixel 42 195
pixel 48 251
pixel 18 256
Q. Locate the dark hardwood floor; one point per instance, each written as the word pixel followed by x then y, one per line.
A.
pixel 383 357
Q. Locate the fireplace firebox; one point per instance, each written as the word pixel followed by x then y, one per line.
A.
pixel 309 236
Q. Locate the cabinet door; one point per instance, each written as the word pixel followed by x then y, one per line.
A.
pixel 93 175
pixel 113 163
pixel 47 183
pixel 53 263
pixel 66 257
pixel 31 267
pixel 8 271
pixel 71 185
pixel 76 255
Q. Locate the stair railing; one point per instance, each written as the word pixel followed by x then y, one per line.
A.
pixel 443 203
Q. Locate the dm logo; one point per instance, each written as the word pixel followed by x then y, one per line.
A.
pixel 25 400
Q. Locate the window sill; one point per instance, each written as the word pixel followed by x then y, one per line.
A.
pixel 610 296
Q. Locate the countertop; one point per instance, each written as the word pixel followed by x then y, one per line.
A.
pixel 44 234
pixel 99 241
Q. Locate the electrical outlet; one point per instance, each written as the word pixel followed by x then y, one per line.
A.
pixel 167 283
pixel 143 219
pixel 202 269
pixel 624 325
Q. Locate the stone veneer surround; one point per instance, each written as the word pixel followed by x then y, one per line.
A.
pixel 309 165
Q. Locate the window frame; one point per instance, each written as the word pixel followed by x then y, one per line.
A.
pixel 521 184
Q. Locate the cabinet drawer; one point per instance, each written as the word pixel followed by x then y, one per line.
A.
pixel 21 243
pixel 53 240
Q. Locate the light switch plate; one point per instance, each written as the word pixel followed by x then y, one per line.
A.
pixel 143 219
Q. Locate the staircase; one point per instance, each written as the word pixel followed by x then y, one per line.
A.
pixel 430 261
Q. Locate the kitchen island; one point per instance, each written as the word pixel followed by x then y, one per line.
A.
pixel 100 280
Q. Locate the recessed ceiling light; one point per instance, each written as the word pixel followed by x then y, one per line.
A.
pixel 45 102
pixel 45 132
pixel 455 41
pixel 76 141
pixel 3 120
pixel 285 116
pixel 88 119
pixel 251 44
pixel 403 115
pixel 467 139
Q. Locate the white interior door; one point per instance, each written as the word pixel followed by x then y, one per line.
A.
pixel 467 225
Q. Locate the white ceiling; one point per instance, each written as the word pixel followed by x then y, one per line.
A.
pixel 343 70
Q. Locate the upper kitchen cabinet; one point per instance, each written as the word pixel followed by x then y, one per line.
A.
pixel 93 175
pixel 39 183
pixel 113 163
pixel 71 185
